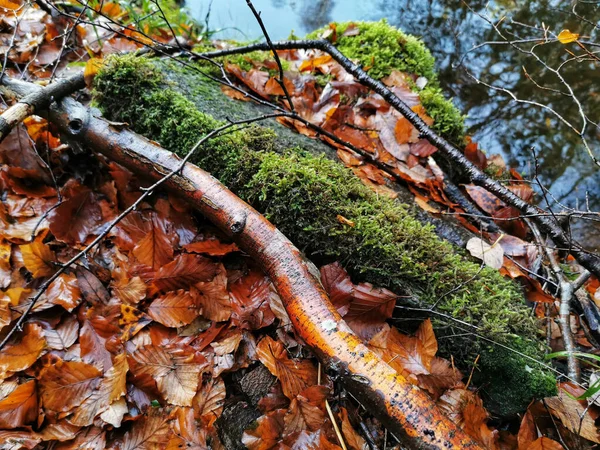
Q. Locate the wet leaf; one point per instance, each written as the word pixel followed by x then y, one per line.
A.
pixel 294 375
pixel 155 249
pixel 176 372
pixel 545 443
pixel 183 272
pixel 250 301
pixel 77 216
pixel 214 298
pixel 20 407
pixel 64 291
pixel 66 384
pixel 175 309
pixel 22 354
pixel 149 433
pixel 38 258
pixel 212 247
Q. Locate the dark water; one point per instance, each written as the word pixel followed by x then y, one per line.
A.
pixel 451 29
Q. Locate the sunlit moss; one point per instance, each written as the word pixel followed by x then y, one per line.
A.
pixel 303 195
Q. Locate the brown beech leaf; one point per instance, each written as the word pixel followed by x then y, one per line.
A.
pixel 369 309
pixel 442 376
pixel 129 290
pixel 16 440
pixel 214 298
pixel 183 272
pixel 353 440
pixel 60 431
pixel 149 433
pixel 527 431
pixel 132 321
pixel 544 443
pixel 484 199
pixel 306 411
pixel 267 432
pixel 403 353
pixel 405 132
pixel 250 301
pixel 91 438
pixel 475 155
pixel 22 354
pixel 155 249
pixel 569 411
pixel 208 402
pixel 64 291
pixel 5 313
pixel 66 384
pixel 176 371
pixel 212 247
pixel 187 434
pixel 91 287
pixel 312 441
pixel 175 309
pixel 92 342
pixel 76 217
pixel 338 286
pixel 111 388
pixel 294 375
pixel 20 407
pixel 38 258
pixel 64 335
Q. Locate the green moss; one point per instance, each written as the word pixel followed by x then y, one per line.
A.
pixel 303 196
pixel 448 120
pixel 382 48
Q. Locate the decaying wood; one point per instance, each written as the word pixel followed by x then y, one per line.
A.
pixel 404 409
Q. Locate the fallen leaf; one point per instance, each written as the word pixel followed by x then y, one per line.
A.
pixel 20 407
pixel 545 443
pixel 491 255
pixel 38 258
pixel 22 354
pixel 174 309
pixel 184 271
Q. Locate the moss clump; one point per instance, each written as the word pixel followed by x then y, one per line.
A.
pixel 382 49
pixel 303 195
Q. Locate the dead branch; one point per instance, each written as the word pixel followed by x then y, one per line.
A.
pixel 403 408
pixel 38 100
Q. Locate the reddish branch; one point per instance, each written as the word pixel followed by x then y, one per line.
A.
pixel 404 409
pixel 547 224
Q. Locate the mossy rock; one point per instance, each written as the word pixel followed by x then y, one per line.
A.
pixel 303 195
pixel 381 48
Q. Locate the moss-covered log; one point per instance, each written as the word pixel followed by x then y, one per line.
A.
pixel 303 195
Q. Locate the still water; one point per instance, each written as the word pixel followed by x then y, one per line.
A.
pixel 451 29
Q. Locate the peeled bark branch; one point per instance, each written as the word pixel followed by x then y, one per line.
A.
pixel 404 409
pixel 37 100
pixel 547 224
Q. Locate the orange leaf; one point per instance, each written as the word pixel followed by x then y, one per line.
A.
pixel 266 434
pixel 66 384
pixel 403 353
pixel 566 37
pixel 132 321
pixel 91 70
pixel 405 132
pixel 527 431
pixel 64 291
pixel 183 272
pixel 208 402
pixel 10 5
pixel 354 440
pixel 155 249
pixel 20 407
pixel 338 286
pixel 149 433
pixel 212 247
pixel 19 356
pixel 38 258
pixel 129 290
pixel 175 371
pixel 250 300
pixel 545 443
pixel 294 375
pixel 213 297
pixel 111 388
pixel 174 309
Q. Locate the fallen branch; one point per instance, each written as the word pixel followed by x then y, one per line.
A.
pixel 449 151
pixel 403 408
pixel 38 100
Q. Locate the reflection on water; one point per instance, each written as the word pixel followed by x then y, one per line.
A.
pixel 450 30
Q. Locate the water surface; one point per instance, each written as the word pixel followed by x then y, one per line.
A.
pixel 451 30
